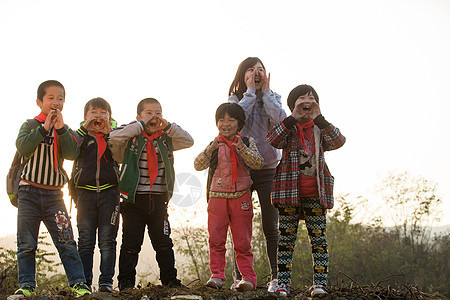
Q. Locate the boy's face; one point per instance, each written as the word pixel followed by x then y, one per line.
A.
pixel 150 114
pixel 98 119
pixel 228 126
pixel 53 99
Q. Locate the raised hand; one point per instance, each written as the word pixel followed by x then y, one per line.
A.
pixel 59 121
pixel 154 123
pixel 213 146
pixel 239 144
pixel 264 79
pixel 305 110
pixel 250 82
pixel 54 119
pixel 98 124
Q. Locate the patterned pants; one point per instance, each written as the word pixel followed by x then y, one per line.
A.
pixel 316 224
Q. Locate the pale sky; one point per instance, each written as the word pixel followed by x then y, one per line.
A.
pixel 381 69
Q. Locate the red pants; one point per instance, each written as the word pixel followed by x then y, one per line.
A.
pixel 238 214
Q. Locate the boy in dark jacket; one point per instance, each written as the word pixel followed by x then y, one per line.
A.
pixel 145 149
pixel 95 176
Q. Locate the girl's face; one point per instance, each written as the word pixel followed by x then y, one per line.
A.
pixel 258 74
pixel 228 126
pixel 306 101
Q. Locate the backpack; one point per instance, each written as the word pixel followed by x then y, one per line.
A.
pixel 17 165
pixel 213 162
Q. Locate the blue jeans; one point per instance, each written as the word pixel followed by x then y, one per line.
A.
pixel 36 205
pixel 98 211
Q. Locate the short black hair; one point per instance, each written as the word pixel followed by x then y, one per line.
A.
pixel 97 103
pixel 140 106
pixel 42 89
pixel 298 91
pixel 233 110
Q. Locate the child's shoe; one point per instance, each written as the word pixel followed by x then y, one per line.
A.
pixel 317 290
pixel 175 283
pixel 235 284
pixel 283 290
pixel 245 286
pixel 126 285
pixel 105 288
pixel 26 290
pixel 215 283
pixel 272 286
pixel 80 289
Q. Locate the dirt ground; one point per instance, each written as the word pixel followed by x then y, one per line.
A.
pixel 197 291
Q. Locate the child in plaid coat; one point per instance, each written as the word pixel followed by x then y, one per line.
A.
pixel 303 186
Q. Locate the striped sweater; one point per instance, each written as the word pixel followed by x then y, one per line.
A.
pixel 38 145
pixel 159 186
pixel 127 146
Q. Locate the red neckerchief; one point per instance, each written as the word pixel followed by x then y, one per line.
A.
pixel 301 129
pixel 152 158
pixel 101 145
pixel 233 155
pixel 41 118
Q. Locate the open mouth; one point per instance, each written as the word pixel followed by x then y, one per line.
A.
pixel 97 123
pixel 307 108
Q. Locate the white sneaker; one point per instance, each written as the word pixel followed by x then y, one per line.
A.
pixel 272 286
pixel 318 290
pixel 245 286
pixel 283 290
pixel 215 283
pixel 235 284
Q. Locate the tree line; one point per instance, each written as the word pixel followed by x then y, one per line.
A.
pixel 361 253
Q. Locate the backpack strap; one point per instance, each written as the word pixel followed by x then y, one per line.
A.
pixel 33 123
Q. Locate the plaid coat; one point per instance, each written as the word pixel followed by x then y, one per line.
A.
pixel 285 188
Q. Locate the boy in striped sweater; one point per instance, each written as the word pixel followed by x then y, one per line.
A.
pixel 40 197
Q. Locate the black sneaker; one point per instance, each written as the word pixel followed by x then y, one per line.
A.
pixel 175 283
pixel 126 285
pixel 105 288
